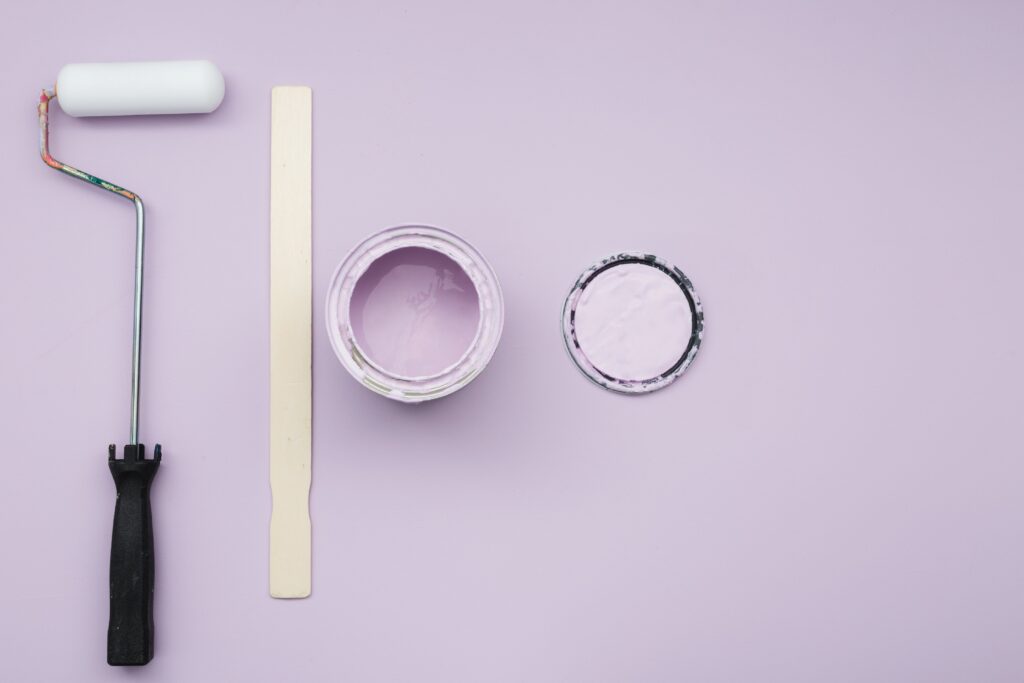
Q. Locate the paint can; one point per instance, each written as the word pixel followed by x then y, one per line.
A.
pixel 414 313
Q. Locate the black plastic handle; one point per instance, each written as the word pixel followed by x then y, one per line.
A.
pixel 130 634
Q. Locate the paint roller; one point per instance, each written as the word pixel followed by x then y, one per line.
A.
pixel 129 89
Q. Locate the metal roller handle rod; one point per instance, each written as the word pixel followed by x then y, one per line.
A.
pixel 140 235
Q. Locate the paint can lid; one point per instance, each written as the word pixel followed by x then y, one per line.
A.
pixel 632 323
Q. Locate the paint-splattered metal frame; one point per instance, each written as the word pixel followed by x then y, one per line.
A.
pixel 140 233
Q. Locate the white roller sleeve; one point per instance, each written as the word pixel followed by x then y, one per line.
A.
pixel 130 88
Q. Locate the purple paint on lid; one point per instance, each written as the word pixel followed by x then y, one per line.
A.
pixel 632 323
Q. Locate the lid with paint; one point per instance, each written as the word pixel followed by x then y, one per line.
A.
pixel 632 323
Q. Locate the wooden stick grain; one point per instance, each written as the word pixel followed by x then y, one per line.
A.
pixel 290 340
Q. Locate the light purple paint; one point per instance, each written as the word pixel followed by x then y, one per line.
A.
pixel 414 312
pixel 633 322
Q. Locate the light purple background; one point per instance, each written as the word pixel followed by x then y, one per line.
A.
pixel 833 492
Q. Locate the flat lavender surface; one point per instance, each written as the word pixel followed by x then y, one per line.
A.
pixel 832 492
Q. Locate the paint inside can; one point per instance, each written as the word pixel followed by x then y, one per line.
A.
pixel 414 312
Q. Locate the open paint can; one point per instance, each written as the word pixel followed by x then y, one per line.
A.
pixel 414 313
pixel 632 323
